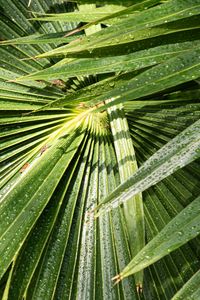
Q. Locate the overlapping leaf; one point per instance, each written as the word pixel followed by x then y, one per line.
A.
pixel 184 227
pixel 51 246
pixel 179 152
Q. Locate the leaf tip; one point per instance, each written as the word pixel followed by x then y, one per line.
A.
pixel 29 58
pixel 117 279
pixel 11 80
pixel 139 288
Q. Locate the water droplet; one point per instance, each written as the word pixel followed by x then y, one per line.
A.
pixel 112 84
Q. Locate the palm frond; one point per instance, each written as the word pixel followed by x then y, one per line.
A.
pixel 99 104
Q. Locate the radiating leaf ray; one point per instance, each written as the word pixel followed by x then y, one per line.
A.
pixel 29 191
pixel 64 287
pixel 58 156
pixel 124 31
pixel 173 239
pixel 188 152
pixel 133 209
pixel 54 252
pixel 130 62
pixel 190 290
pixel 119 228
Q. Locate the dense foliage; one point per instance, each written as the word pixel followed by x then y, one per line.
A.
pixel 100 146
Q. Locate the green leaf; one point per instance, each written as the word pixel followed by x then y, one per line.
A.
pixel 56 246
pixel 176 154
pixel 106 235
pixel 56 37
pixel 68 273
pixel 124 31
pixel 184 227
pixel 112 13
pixel 38 238
pixel 117 2
pixel 48 238
pixel 190 290
pixel 120 225
pixel 174 71
pixel 81 16
pixel 133 61
pixel 31 198
pixel 127 164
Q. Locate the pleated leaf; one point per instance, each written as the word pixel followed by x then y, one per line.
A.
pixel 176 154
pixel 190 290
pixel 184 227
pixel 62 155
pixel 124 31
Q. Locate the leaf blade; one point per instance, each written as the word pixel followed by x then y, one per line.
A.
pixel 184 227
pixel 179 152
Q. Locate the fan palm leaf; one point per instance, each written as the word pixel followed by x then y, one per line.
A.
pixel 99 157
